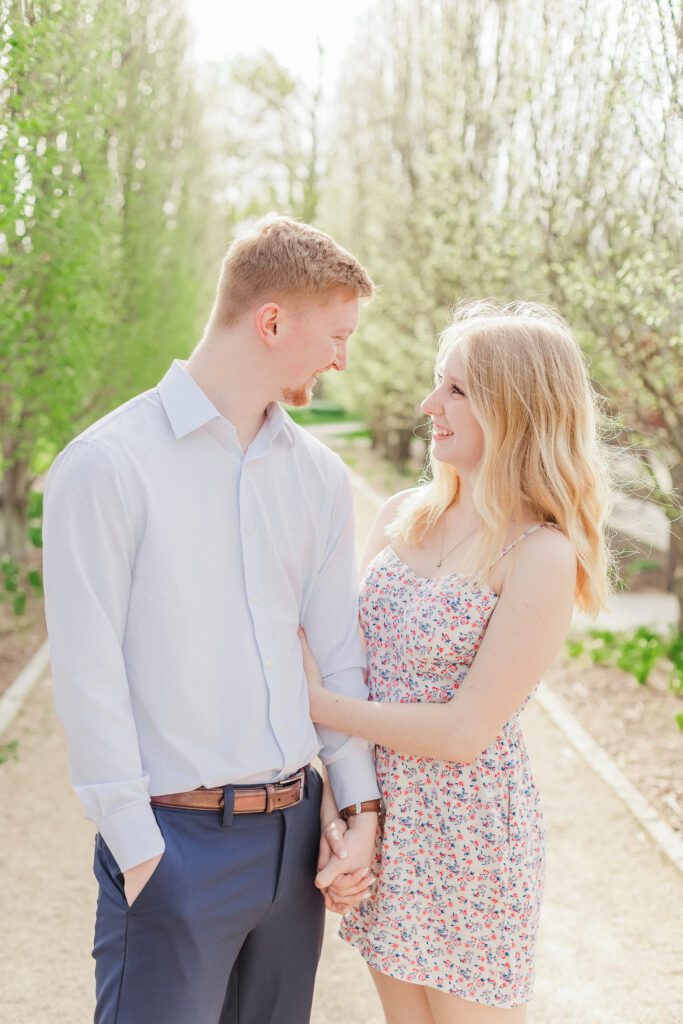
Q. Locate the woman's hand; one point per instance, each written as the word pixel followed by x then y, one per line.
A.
pixel 314 679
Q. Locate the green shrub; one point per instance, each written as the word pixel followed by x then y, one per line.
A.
pixel 636 652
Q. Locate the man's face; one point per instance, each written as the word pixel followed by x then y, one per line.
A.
pixel 317 335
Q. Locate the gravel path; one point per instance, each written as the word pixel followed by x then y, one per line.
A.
pixel 611 929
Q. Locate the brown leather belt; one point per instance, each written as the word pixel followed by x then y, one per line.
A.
pixel 274 796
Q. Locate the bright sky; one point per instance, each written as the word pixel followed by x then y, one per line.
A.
pixel 288 29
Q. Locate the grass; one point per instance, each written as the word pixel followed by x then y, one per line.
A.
pixel 321 412
pixel 8 750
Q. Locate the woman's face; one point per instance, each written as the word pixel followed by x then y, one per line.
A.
pixel 458 437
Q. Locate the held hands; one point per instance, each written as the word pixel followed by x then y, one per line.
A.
pixel 346 877
pixel 349 887
pixel 346 851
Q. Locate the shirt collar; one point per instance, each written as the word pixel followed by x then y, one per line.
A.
pixel 188 407
pixel 278 421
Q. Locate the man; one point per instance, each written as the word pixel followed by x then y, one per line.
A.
pixel 187 535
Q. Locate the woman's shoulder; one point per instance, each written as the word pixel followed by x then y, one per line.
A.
pixel 547 550
pixel 379 534
pixel 393 504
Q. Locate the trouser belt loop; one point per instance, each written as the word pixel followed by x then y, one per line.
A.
pixel 228 806
pixel 307 770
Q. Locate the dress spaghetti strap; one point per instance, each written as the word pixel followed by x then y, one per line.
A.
pixel 510 546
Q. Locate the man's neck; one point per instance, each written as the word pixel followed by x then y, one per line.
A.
pixel 224 374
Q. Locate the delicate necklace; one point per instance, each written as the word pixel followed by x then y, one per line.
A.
pixel 451 550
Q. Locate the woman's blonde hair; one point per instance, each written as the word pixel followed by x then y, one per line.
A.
pixel 528 387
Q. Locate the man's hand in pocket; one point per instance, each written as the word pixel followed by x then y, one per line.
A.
pixel 136 878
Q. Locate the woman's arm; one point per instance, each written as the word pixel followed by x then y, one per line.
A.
pixel 523 637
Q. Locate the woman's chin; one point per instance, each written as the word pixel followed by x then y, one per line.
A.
pixel 440 451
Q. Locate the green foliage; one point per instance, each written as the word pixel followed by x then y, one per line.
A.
pixel 9 750
pixel 15 584
pixel 640 652
pixel 636 652
pixel 525 149
pixel 675 655
pixel 35 505
pixel 10 575
pixel 320 412
pixel 108 245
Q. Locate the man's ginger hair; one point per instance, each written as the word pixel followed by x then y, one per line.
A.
pixel 281 257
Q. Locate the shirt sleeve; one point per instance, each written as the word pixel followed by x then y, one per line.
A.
pixel 330 619
pixel 89 554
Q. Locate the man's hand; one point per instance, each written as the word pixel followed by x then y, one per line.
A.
pixel 136 878
pixel 332 841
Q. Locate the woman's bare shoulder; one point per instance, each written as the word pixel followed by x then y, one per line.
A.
pixel 392 505
pixel 378 536
pixel 548 552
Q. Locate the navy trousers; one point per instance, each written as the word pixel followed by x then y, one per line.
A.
pixel 228 930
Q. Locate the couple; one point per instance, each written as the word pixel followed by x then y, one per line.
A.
pixel 201 602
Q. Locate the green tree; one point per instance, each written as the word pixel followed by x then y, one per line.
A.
pixel 107 245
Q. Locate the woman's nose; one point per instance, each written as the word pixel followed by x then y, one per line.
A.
pixel 430 406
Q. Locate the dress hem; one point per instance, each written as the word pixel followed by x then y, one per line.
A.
pixel 426 984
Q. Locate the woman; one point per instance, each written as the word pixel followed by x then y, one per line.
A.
pixel 468 594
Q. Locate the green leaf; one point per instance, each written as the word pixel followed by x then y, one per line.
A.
pixel 35 535
pixel 35 504
pixel 35 579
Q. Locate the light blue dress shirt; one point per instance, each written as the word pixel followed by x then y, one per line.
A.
pixel 177 569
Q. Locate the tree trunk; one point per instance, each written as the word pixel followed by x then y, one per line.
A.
pixel 398 446
pixel 14 486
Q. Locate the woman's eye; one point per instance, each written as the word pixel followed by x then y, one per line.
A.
pixel 455 390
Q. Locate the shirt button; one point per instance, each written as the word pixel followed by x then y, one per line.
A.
pixel 269 663
pixel 256 599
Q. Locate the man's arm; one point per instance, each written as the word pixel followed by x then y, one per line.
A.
pixel 330 620
pixel 89 553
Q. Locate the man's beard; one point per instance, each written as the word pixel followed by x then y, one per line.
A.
pixel 298 397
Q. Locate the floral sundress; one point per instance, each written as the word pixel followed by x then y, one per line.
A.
pixel 460 864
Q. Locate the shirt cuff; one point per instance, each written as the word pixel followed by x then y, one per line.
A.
pixel 132 835
pixel 353 778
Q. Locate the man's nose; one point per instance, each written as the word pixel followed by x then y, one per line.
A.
pixel 341 359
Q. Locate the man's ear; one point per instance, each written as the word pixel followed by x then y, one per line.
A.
pixel 267 321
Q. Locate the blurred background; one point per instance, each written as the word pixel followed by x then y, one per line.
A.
pixel 459 148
